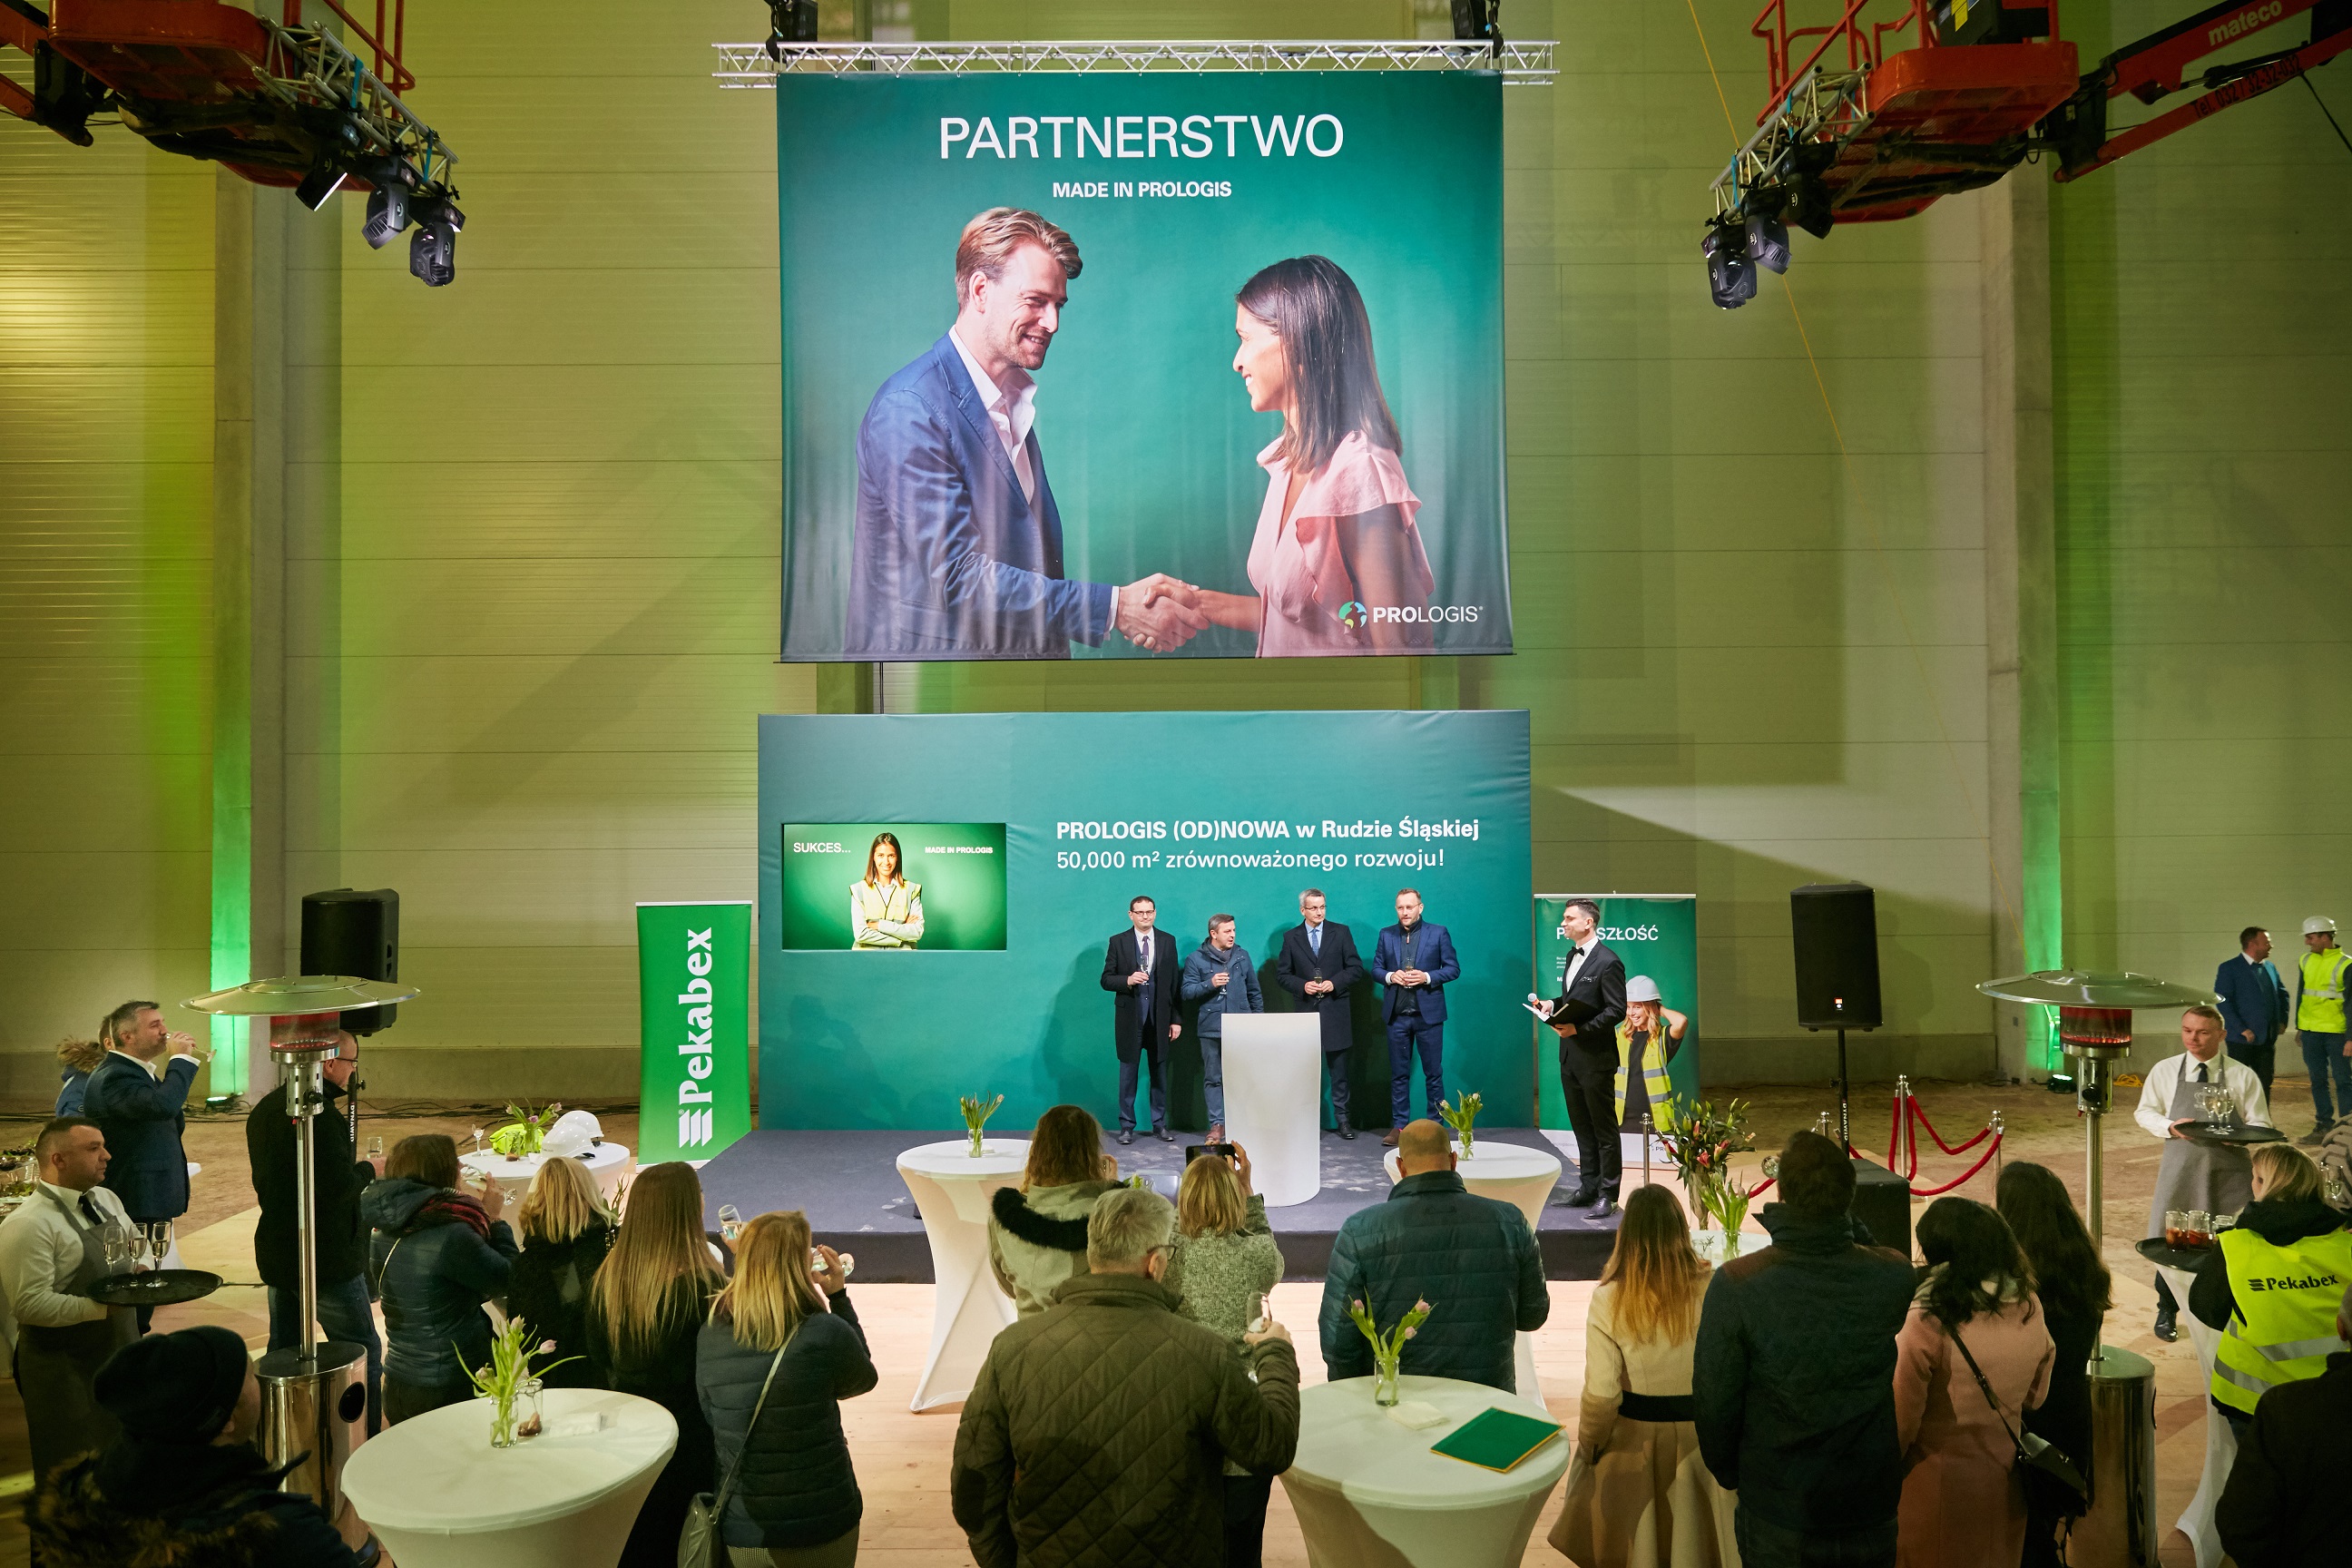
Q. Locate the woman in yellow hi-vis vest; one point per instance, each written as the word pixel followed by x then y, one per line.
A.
pixel 2271 1284
pixel 2320 983
pixel 1653 1033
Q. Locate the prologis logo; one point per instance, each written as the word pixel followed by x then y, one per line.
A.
pixel 1353 615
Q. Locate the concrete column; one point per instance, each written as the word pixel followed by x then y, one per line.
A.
pixel 2021 604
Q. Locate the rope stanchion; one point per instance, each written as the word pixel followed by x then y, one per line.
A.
pixel 1901 1139
pixel 1982 1159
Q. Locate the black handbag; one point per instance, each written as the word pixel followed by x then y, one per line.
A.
pixel 2053 1485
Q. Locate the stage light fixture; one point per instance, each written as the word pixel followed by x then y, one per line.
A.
pixel 325 178
pixel 433 248
pixel 387 214
pixel 1768 242
pixel 1730 274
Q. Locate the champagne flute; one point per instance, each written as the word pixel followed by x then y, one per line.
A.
pixel 160 1236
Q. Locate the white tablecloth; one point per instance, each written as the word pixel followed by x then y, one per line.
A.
pixel 1367 1491
pixel 437 1493
pixel 607 1161
pixel 2220 1438
pixel 1517 1175
pixel 968 1307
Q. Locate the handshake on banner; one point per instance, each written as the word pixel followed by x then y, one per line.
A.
pixel 1160 612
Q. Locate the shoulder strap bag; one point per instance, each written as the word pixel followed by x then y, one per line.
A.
pixel 2052 1483
pixel 698 1541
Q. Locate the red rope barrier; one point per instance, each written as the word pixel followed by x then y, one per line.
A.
pixel 1982 1161
pixel 1758 1190
pixel 1921 1117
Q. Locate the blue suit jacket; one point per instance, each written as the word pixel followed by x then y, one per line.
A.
pixel 142 1122
pixel 1436 955
pixel 2251 1001
pixel 950 561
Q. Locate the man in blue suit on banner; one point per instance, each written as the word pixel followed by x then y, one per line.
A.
pixel 2253 1004
pixel 958 552
pixel 1414 961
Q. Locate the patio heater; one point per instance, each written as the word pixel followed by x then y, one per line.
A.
pixel 2094 1030
pixel 314 1394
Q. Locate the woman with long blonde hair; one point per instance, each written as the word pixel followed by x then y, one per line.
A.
pixel 565 1237
pixel 1639 1494
pixel 795 1502
pixel 1224 1262
pixel 647 1308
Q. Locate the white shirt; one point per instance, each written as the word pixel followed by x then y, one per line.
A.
pixel 1574 963
pixel 1012 416
pixel 2155 1112
pixel 40 1252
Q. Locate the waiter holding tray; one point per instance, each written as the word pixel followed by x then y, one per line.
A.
pixel 2197 1173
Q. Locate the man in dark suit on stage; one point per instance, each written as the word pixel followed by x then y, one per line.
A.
pixel 1585 1012
pixel 1415 959
pixel 1318 964
pixel 1140 969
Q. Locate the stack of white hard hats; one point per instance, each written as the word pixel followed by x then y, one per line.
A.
pixel 574 1133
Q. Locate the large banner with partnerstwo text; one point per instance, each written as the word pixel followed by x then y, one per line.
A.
pixel 937 891
pixel 1129 363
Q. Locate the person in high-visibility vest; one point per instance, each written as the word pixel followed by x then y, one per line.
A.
pixel 2320 982
pixel 2272 1283
pixel 1647 1041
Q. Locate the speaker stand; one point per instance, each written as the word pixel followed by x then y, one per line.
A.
pixel 1845 1125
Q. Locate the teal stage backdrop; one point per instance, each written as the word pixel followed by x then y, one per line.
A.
pixel 1176 188
pixel 1207 812
pixel 1655 934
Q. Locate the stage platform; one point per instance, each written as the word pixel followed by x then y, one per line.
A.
pixel 848 1185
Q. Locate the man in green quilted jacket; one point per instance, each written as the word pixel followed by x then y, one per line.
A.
pixel 1098 1431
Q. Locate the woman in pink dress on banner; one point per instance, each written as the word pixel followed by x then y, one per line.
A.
pixel 1337 564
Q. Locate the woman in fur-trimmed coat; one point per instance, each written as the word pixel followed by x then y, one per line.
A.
pixel 1037 1230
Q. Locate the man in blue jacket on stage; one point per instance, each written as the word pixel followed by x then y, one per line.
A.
pixel 2253 1004
pixel 1221 977
pixel 958 551
pixel 1414 961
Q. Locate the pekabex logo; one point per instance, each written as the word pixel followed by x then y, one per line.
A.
pixel 1352 615
pixel 694 1126
pixel 2246 21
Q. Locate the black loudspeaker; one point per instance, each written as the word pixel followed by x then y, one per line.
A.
pixel 1835 925
pixel 355 933
pixel 1882 1200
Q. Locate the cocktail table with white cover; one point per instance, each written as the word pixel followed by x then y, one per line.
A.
pixel 437 1493
pixel 1367 1491
pixel 1517 1175
pixel 1274 1102
pixel 952 1190
pixel 607 1163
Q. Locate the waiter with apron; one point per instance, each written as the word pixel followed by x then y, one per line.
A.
pixel 2217 1178
pixel 53 1250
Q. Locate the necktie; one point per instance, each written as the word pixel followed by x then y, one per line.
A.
pixel 1315 940
pixel 2200 1072
pixel 90 1209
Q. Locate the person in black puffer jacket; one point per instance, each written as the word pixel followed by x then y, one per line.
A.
pixel 181 1484
pixel 795 1499
pixel 1473 1259
pixel 1793 1379
pixel 565 1239
pixel 437 1255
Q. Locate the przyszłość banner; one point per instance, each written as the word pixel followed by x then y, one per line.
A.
pixel 1655 934
pixel 1142 364
pixel 693 991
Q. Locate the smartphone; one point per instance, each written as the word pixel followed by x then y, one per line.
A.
pixel 1207 1151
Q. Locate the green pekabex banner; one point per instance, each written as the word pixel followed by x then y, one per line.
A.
pixel 1225 372
pixel 694 1002
pixel 1655 934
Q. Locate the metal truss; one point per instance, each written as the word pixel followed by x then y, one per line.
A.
pixel 309 68
pixel 1820 109
pixel 749 65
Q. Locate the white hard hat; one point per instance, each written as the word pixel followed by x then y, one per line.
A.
pixel 1642 988
pixel 573 1133
pixel 2318 923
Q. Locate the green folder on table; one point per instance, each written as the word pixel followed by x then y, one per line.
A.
pixel 1495 1440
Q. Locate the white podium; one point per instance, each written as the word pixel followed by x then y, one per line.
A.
pixel 1274 1102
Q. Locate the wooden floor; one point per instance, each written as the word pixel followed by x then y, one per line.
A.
pixel 902 1458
